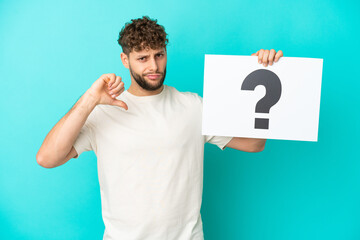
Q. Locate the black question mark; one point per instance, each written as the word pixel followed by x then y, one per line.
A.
pixel 272 84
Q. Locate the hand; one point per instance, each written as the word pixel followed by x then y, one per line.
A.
pixel 106 89
pixel 266 56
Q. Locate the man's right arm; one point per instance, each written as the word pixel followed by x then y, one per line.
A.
pixel 57 147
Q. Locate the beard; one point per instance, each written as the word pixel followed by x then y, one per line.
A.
pixel 146 85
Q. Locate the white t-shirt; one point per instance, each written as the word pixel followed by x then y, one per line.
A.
pixel 150 165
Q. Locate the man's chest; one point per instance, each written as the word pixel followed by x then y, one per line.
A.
pixel 148 129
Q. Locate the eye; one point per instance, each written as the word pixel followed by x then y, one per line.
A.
pixel 159 55
pixel 142 59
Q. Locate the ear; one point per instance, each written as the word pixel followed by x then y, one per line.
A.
pixel 124 59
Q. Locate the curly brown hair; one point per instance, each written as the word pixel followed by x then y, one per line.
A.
pixel 142 33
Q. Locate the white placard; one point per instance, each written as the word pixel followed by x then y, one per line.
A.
pixel 230 111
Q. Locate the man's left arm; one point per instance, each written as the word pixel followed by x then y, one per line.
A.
pixel 265 57
pixel 247 144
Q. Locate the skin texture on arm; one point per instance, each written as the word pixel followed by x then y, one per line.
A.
pixel 57 146
pixel 247 144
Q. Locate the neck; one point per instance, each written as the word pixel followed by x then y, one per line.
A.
pixel 138 91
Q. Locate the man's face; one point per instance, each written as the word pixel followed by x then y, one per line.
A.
pixel 148 68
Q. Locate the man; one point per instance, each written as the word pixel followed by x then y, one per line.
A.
pixel 147 140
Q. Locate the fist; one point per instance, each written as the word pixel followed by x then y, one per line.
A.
pixel 107 88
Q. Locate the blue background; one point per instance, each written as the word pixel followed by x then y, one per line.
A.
pixel 52 51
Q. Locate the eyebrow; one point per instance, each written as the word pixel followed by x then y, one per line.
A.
pixel 146 55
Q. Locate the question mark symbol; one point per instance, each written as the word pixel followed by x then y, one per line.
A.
pixel 272 84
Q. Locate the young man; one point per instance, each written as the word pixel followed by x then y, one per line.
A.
pixel 147 140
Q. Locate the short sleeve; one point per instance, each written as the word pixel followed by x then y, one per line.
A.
pixel 85 141
pixel 220 141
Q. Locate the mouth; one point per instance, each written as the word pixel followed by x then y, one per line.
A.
pixel 153 76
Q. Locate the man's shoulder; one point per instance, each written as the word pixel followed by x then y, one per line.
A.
pixel 187 96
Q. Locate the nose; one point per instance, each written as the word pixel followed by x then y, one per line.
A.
pixel 153 66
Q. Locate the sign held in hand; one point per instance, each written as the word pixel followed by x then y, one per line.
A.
pixel 244 99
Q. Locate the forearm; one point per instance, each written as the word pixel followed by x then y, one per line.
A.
pixel 247 144
pixel 62 136
pixel 259 144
